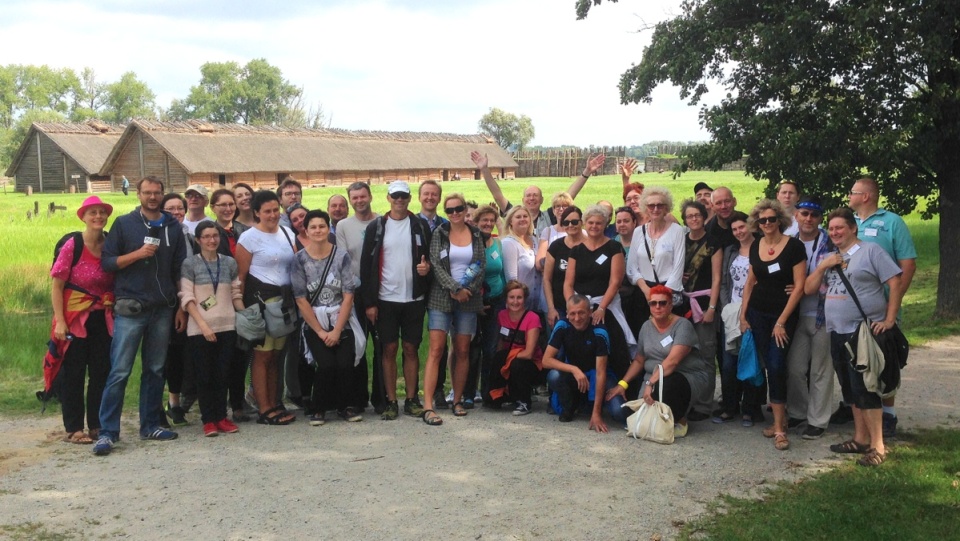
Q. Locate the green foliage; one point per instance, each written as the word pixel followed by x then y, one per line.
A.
pixel 913 495
pixel 127 99
pixel 255 93
pixel 510 131
pixel 823 92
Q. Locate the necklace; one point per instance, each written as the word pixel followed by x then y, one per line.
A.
pixel 773 246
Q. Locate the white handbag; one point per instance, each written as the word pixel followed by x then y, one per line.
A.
pixel 653 422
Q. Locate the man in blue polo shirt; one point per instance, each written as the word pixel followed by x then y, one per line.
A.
pixel 889 231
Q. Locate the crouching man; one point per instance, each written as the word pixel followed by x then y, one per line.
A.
pixel 577 359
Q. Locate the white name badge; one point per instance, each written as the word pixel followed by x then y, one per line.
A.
pixel 419 242
pixel 505 331
pixel 443 254
pixel 495 255
pixel 775 267
pixel 853 249
pixel 601 259
pixel 870 232
pixel 667 340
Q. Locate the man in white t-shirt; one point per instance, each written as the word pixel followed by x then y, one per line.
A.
pixel 394 281
pixel 196 196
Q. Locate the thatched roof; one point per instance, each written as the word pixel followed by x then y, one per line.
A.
pixel 88 144
pixel 203 147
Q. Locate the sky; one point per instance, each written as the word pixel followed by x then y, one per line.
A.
pixel 393 65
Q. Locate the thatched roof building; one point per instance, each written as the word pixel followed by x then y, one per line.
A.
pixel 55 157
pixel 200 152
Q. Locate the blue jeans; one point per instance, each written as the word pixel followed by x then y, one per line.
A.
pixel 152 328
pixel 565 385
pixel 773 356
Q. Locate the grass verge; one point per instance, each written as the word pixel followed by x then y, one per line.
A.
pixel 915 494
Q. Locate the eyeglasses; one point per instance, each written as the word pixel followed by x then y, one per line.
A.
pixel 657 304
pixel 694 216
pixel 455 210
pixel 767 220
pixel 631 198
pixel 852 192
pixel 209 237
pixel 292 194
pixel 809 213
pixel 193 195
pixel 655 206
pixel 566 223
pixel 225 205
pixel 400 196
pixel 151 194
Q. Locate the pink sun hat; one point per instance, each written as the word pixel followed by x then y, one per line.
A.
pixel 93 201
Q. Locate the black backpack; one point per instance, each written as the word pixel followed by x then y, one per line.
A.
pixel 77 237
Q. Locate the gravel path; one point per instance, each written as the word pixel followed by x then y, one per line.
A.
pixel 487 476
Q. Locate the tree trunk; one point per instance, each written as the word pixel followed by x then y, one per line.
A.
pixel 948 283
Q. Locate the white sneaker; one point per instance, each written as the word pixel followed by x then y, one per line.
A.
pixel 522 409
pixel 450 397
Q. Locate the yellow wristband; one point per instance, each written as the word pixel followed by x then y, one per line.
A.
pixel 623 384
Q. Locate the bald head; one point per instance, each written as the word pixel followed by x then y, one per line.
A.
pixel 724 203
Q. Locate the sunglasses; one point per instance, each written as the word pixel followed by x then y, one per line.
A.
pixel 566 223
pixel 657 304
pixel 808 213
pixel 655 206
pixel 457 209
pixel 768 220
pixel 400 196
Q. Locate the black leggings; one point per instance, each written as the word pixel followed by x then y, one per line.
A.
pixel 676 394
pixel 333 387
pixel 85 354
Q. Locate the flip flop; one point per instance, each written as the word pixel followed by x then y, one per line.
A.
pixel 78 437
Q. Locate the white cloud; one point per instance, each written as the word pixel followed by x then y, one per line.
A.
pixel 387 65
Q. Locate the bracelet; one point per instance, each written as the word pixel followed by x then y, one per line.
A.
pixel 779 325
pixel 712 307
pixel 648 383
pixel 623 384
pixel 584 176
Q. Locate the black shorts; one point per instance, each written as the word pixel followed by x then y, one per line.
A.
pixel 401 319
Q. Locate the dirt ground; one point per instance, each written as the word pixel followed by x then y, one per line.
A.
pixel 488 476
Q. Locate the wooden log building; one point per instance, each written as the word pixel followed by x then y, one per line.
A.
pixel 57 157
pixel 215 155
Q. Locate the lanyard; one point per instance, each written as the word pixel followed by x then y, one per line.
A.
pixel 214 281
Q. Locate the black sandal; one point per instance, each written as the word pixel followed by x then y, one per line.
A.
pixel 850 447
pixel 459 410
pixel 279 419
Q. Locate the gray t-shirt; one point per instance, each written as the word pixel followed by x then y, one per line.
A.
pixel 655 346
pixel 350 233
pixel 868 267
pixel 307 272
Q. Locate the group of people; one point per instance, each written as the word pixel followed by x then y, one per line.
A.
pixel 590 302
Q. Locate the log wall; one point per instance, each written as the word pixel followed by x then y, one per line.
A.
pixel 567 162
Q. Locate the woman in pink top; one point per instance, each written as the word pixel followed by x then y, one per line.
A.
pixel 82 298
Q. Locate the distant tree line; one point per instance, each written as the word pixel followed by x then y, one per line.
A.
pixel 255 93
pixel 653 148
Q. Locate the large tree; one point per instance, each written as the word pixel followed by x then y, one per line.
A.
pixel 127 99
pixel 508 130
pixel 824 91
pixel 255 93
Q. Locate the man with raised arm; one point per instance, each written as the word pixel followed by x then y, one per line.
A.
pixel 394 280
pixel 533 196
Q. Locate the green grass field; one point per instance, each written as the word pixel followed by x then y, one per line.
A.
pixel 26 251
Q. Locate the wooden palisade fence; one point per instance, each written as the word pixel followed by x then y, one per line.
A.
pixel 568 162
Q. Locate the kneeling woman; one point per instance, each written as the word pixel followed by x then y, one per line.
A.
pixel 324 287
pixel 210 293
pixel 669 340
pixel 518 358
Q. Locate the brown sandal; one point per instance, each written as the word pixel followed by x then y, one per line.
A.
pixel 872 458
pixel 459 410
pixel 850 447
pixel 770 431
pixel 78 437
pixel 780 441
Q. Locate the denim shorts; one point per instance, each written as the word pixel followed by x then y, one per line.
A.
pixel 457 322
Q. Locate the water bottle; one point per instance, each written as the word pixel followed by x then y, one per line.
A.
pixel 472 271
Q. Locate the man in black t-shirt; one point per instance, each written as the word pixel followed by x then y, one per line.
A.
pixel 724 205
pixel 577 359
